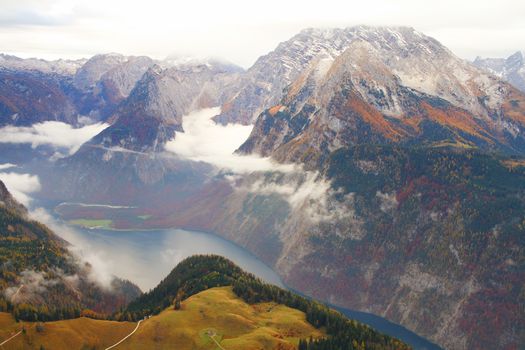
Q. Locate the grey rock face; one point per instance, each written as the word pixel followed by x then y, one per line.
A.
pixel 512 68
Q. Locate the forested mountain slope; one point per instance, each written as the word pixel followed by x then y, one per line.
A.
pixel 40 279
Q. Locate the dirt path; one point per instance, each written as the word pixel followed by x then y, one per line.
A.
pixel 216 342
pixel 17 291
pixel 5 341
pixel 126 337
pixel 212 334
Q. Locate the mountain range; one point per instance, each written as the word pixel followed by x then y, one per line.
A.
pixel 404 191
pixel 512 68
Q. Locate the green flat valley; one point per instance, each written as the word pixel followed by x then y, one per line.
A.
pixel 91 223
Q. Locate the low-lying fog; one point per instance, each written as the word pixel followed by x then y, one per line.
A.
pixel 143 257
pixel 206 141
pixel 146 257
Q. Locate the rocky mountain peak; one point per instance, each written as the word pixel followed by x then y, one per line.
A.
pixel 511 69
pixel 146 119
pixel 421 62
pixel 515 61
pixel 388 85
pixel 154 71
pixel 95 67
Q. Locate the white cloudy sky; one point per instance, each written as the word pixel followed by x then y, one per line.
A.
pixel 243 30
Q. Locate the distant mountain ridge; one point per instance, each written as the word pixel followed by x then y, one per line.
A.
pixel 512 68
pixel 92 88
pixel 63 67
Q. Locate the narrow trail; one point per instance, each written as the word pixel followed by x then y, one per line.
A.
pixel 5 341
pixel 216 342
pixel 126 337
pixel 17 291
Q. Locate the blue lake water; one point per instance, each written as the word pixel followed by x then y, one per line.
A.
pixel 146 257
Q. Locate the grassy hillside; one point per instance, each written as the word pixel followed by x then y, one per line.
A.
pixel 207 302
pixel 199 273
pixel 215 313
pixel 79 333
pixel 232 322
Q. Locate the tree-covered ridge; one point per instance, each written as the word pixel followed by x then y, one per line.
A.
pixel 367 168
pixel 482 188
pixel 189 277
pixel 199 273
pixel 27 245
pixel 40 280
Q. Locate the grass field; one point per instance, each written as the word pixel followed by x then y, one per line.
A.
pixel 80 333
pixel 216 313
pixel 90 223
pixel 8 326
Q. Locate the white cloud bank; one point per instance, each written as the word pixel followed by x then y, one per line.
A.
pixel 20 185
pixel 102 265
pixel 7 166
pixel 53 133
pixel 206 141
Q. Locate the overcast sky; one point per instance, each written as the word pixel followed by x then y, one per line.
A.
pixel 241 31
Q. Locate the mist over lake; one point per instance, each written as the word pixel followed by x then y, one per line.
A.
pixel 146 257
